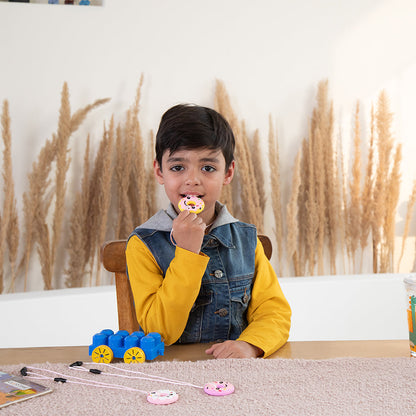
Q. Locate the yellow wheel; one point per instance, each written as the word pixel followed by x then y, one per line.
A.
pixel 102 354
pixel 134 355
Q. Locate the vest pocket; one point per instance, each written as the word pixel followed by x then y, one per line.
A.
pixel 203 299
pixel 192 332
pixel 240 299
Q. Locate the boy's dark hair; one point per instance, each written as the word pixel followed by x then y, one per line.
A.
pixel 187 126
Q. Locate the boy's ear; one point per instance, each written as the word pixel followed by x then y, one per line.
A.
pixel 158 172
pixel 229 173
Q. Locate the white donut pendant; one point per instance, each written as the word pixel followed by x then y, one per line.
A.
pixel 162 397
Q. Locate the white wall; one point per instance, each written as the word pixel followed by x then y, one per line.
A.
pixel 270 53
pixel 56 317
pixel 323 308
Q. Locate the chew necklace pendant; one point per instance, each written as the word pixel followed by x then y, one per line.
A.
pixel 191 203
pixel 162 397
pixel 218 388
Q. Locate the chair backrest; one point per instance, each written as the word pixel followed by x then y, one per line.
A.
pixel 113 257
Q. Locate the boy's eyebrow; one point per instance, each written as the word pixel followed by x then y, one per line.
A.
pixel 209 159
pixel 175 159
pixel 182 159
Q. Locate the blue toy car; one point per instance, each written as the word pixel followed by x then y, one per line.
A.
pixel 133 348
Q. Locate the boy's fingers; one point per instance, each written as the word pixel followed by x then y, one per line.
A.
pixel 211 349
pixel 186 216
pixel 219 350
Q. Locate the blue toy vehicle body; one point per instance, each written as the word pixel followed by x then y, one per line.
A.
pixel 134 347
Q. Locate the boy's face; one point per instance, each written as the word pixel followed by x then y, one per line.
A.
pixel 200 172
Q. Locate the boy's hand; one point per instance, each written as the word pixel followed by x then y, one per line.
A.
pixel 234 349
pixel 188 231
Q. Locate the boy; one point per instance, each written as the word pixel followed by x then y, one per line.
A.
pixel 203 277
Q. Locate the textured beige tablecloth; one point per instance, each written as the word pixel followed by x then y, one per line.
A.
pixel 348 386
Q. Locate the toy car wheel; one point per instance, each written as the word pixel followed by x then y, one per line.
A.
pixel 134 355
pixel 102 354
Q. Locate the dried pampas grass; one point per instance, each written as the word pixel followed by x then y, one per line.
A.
pixel 79 230
pixel 13 234
pixel 334 213
pixel 325 126
pixel 367 194
pixel 310 216
pixel 257 159
pixel 34 202
pixel 223 106
pixel 150 178
pixel 124 155
pixel 66 127
pixel 393 191
pixel 104 193
pixel 319 177
pixel 276 199
pixel 138 177
pixel 38 199
pixel 409 214
pixel 354 209
pixel 342 196
pixel 118 188
pixel 292 220
pixel 327 188
pixel 134 173
pixel 329 216
pixel 251 207
pixel 386 185
pixel 98 201
pixel 9 227
pixel 245 180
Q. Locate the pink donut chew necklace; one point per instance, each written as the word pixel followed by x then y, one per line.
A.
pixel 218 388
pixel 191 203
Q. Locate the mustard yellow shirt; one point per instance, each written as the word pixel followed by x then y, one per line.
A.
pixel 163 303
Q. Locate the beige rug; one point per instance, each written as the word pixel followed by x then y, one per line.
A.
pixel 351 386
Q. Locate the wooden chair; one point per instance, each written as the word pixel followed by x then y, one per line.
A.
pixel 113 257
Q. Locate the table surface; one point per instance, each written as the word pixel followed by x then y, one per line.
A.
pixel 313 350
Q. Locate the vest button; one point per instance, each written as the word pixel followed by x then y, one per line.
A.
pixel 222 312
pixel 218 274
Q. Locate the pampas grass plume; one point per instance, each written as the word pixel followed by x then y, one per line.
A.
pixel 8 220
pixel 409 213
pixel 291 215
pixel 276 191
pixel 354 212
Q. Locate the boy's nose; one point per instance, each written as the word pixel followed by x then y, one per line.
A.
pixel 192 178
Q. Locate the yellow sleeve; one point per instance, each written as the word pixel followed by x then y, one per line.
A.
pixel 268 313
pixel 163 304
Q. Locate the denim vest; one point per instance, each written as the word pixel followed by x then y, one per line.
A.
pixel 219 312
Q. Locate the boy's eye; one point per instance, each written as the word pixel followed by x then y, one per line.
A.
pixel 176 168
pixel 208 168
